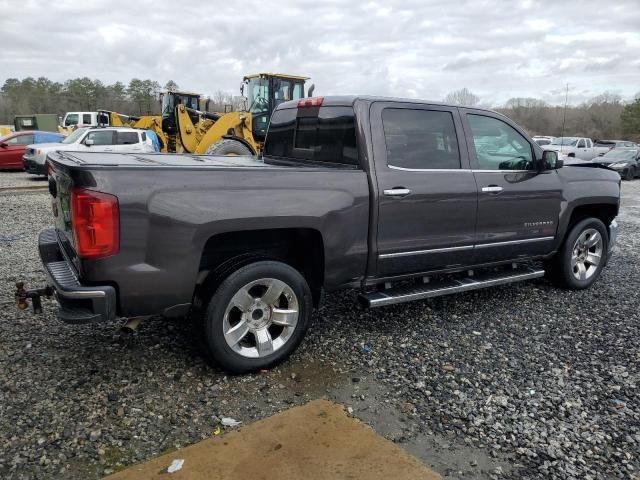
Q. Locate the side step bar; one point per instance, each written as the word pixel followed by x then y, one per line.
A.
pixel 446 287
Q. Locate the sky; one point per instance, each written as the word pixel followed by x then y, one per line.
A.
pixel 498 49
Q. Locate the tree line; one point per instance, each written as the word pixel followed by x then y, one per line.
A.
pixel 41 95
pixel 603 116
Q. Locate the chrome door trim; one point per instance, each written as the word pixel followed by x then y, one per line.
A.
pixel 464 247
pixel 449 170
pixel 514 242
pixel 420 252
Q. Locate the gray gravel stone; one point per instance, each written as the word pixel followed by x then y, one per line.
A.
pixel 538 382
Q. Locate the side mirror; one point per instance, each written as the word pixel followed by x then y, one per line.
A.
pixel 4 144
pixel 89 141
pixel 550 160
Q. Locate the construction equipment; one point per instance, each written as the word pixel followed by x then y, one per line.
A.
pixel 163 125
pixel 170 102
pixel 235 133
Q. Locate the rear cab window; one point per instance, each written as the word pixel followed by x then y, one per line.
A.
pixel 324 135
pixel 127 138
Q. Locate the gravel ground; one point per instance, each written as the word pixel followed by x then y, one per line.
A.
pixel 522 381
pixel 21 179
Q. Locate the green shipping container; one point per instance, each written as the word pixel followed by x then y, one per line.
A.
pixel 39 121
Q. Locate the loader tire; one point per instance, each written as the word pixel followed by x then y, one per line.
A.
pixel 228 146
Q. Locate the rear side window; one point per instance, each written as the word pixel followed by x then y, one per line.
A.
pixel 317 134
pixel 86 118
pixel 21 140
pixel 101 137
pixel 420 139
pixel 127 138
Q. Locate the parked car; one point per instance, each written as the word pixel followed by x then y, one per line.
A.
pixel 400 199
pixel 626 161
pixel 111 139
pixel 576 147
pixel 603 146
pixel 13 145
pixel 542 139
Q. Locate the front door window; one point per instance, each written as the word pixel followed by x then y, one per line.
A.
pixel 499 146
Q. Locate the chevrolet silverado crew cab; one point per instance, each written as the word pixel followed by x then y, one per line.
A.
pixel 400 199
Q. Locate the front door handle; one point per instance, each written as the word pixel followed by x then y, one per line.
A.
pixel 492 189
pixel 397 192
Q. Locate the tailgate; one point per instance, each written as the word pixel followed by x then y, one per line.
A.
pixel 60 185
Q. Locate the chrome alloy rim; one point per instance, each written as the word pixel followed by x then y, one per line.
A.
pixel 586 254
pixel 261 317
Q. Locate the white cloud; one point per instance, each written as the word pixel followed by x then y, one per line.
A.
pixel 415 48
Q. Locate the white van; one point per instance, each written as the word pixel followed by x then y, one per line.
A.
pixel 85 119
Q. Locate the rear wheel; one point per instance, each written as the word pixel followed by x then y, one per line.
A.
pixel 582 256
pixel 228 146
pixel 257 316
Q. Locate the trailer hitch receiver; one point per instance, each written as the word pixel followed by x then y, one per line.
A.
pixel 23 295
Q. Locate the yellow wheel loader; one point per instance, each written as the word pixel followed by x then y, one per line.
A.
pixel 162 125
pixel 235 133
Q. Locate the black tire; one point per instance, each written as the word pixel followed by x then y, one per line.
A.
pixel 559 268
pixel 228 146
pixel 214 316
pixel 630 175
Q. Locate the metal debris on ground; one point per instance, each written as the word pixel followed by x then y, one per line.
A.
pixel 175 465
pixel 229 422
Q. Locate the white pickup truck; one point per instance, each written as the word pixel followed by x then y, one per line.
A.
pixel 85 139
pixel 577 147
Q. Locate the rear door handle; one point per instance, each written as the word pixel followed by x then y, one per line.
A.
pixel 397 192
pixel 492 189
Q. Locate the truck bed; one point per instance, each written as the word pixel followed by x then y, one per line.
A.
pixel 160 160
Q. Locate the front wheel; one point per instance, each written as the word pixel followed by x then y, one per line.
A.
pixel 582 256
pixel 257 316
pixel 228 146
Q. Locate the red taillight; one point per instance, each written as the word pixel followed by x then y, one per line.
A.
pixel 96 223
pixel 310 102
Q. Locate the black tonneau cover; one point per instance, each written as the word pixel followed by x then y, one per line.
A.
pixel 112 159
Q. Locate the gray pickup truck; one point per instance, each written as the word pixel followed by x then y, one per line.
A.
pixel 400 199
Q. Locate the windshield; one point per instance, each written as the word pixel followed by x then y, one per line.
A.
pixel 258 95
pixel 620 154
pixel 74 136
pixel 71 119
pixel 171 99
pixel 6 137
pixel 567 141
pixel 167 104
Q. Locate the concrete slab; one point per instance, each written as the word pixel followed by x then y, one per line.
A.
pixel 313 442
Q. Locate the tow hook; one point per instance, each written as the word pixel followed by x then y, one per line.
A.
pixel 22 295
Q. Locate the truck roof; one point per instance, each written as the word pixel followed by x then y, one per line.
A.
pixel 349 100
